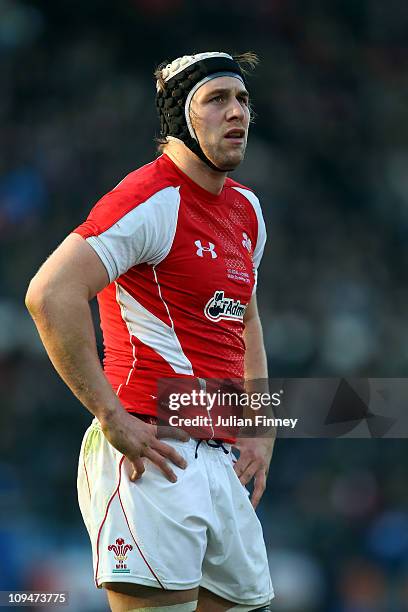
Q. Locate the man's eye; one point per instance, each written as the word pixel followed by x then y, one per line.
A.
pixel 244 100
pixel 217 99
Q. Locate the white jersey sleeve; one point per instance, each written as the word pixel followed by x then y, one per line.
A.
pixel 126 235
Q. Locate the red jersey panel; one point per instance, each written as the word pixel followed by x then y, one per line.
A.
pixel 182 264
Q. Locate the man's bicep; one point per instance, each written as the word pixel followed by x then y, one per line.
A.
pixel 73 265
pixel 251 311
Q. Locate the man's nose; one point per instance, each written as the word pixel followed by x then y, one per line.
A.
pixel 235 110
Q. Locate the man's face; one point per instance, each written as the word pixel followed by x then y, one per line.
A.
pixel 220 117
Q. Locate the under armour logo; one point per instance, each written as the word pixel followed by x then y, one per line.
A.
pixel 204 249
pixel 246 242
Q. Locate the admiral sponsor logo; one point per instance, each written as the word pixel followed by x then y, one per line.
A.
pixel 221 307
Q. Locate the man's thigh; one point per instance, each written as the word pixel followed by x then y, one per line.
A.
pixel 208 601
pixel 125 597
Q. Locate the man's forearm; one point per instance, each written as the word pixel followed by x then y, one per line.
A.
pixel 256 452
pixel 256 366
pixel 65 325
pixel 64 322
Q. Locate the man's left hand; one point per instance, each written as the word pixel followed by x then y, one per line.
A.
pixel 254 459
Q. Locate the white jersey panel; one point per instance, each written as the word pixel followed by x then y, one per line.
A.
pixel 144 235
pixel 153 332
pixel 261 239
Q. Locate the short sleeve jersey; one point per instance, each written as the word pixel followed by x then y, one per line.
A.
pixel 182 265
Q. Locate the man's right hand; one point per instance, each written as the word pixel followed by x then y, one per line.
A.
pixel 138 440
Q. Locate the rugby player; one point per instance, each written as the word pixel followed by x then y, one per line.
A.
pixel 172 254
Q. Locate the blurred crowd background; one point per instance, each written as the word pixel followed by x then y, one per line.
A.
pixel 328 157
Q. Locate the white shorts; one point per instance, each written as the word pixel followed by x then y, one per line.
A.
pixel 200 531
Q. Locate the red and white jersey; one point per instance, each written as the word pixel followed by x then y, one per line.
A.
pixel 182 264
